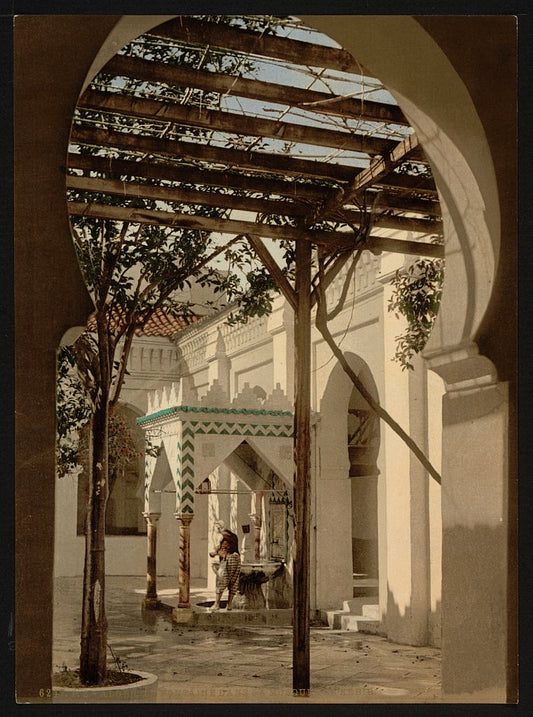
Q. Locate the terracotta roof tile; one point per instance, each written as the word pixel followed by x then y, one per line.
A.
pixel 160 323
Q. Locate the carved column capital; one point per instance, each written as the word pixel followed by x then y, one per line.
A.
pixel 151 518
pixel 462 367
pixel 184 518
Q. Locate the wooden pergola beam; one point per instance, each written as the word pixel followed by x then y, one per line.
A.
pixel 329 240
pixel 298 97
pixel 175 172
pixel 193 151
pixel 132 190
pixel 407 185
pixel 273 268
pixel 230 122
pixel 306 193
pixel 221 200
pixel 388 200
pixel 197 32
pixel 379 168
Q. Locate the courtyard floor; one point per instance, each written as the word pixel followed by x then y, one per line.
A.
pixel 242 664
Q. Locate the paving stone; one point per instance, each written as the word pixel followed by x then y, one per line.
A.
pixel 187 660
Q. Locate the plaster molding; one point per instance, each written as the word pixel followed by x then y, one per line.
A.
pixel 462 367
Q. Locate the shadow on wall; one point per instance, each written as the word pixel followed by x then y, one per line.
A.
pixel 406 627
pixel 473 557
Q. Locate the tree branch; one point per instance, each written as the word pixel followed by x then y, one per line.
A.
pixel 340 304
pixel 124 356
pixel 108 264
pixel 274 270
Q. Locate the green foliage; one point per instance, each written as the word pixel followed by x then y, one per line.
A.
pixel 415 169
pixel 73 414
pixel 256 299
pixel 417 295
pixel 73 410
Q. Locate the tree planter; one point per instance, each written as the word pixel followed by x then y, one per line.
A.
pixel 144 690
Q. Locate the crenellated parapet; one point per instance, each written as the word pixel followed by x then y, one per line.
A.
pixel 182 393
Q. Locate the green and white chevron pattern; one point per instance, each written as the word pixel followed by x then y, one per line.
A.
pixel 224 428
pixel 185 470
pixel 185 454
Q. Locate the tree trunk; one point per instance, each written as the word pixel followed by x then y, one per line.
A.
pixel 94 622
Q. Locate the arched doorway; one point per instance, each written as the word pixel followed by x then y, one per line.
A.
pixel 126 489
pixel 363 449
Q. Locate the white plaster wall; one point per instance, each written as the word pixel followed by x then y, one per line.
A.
pixel 168 536
pixel 436 391
pixel 68 548
pixel 125 554
pixel 199 539
pixel 395 600
pixel 255 368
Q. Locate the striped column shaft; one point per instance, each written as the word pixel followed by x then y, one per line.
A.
pixel 185 508
pixel 149 467
pixel 186 463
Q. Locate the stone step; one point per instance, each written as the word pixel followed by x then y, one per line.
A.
pixel 356 605
pixel 356 610
pixel 371 611
pixel 333 618
pixel 358 623
pixel 370 627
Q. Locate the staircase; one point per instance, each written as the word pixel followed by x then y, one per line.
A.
pixel 357 615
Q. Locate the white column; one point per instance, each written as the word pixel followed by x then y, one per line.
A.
pixel 436 391
pixel 218 362
pixel 395 530
pixel 404 583
pixel 477 619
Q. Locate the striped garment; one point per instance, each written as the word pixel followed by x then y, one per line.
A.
pixel 228 573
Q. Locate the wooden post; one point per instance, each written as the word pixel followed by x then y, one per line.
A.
pixel 184 579
pixel 151 600
pixel 302 455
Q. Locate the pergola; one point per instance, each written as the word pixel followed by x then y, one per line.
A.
pixel 293 143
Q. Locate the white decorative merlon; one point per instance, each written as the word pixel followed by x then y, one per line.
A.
pixel 216 397
pixel 277 401
pixel 186 394
pixel 220 350
pixel 247 398
pixel 183 393
pixel 173 393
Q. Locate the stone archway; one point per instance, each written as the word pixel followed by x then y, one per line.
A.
pixel 333 487
pixel 483 51
pixel 476 407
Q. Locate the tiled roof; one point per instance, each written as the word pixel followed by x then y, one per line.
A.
pixel 160 323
